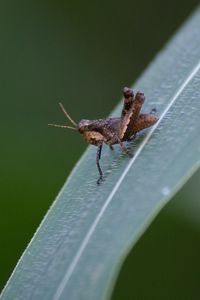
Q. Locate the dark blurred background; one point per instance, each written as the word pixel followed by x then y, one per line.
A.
pixel 82 53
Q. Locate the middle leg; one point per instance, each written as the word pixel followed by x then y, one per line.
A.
pixel 124 149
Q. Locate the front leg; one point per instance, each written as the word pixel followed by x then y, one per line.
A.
pixel 98 157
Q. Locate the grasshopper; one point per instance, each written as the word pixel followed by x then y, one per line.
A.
pixel 117 130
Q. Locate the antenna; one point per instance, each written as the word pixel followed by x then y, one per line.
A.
pixel 68 117
pixel 62 126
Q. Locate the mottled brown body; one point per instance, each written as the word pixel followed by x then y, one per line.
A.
pixel 112 131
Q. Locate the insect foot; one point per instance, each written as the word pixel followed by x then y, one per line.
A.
pixel 115 130
pixel 153 111
pixel 100 180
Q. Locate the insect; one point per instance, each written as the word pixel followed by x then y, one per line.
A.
pixel 113 131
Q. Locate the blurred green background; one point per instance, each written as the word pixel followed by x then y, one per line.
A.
pixel 82 53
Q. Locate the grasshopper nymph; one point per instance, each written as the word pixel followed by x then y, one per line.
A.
pixel 112 131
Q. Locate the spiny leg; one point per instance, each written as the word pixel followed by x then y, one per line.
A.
pixel 137 105
pixel 138 102
pixel 98 157
pixel 130 113
pixel 128 101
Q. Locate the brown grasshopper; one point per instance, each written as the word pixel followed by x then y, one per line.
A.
pixel 114 130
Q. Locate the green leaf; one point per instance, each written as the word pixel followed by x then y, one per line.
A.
pixel 82 242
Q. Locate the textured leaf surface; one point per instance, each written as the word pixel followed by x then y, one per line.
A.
pixel 81 244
